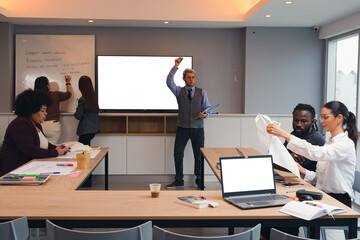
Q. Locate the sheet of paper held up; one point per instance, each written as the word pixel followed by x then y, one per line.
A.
pixel 38 167
pixel 280 154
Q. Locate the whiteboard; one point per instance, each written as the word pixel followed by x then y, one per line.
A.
pixel 54 56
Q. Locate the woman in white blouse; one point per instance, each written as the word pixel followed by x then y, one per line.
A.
pixel 336 160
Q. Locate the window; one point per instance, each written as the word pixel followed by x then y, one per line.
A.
pixel 343 71
pixel 342 77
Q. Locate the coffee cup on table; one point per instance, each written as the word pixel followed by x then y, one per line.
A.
pixel 155 190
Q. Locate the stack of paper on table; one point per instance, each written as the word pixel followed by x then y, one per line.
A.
pixel 72 154
pixel 196 202
pixel 192 201
pixel 45 167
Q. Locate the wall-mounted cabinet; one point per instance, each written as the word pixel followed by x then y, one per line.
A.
pixel 138 124
pixel 113 124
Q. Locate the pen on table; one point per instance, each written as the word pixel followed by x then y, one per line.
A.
pixel 65 164
pixel 288 196
pixel 240 152
pixel 201 196
pixel 289 184
pixel 29 175
pixel 313 204
pixel 295 190
pixel 47 173
pixel 74 172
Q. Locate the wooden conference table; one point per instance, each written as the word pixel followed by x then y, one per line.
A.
pixel 64 182
pixel 112 209
pixel 271 216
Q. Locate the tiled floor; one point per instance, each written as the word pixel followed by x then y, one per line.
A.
pixel 145 186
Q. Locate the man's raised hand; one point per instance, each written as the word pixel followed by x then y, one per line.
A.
pixel 178 61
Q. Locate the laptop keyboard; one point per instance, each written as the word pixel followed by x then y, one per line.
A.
pixel 257 198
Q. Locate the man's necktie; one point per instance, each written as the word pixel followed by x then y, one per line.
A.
pixel 189 93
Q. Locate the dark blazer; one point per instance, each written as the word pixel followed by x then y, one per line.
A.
pixel 89 122
pixel 22 144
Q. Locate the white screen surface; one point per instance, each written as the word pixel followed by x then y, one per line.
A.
pixel 247 174
pixel 138 82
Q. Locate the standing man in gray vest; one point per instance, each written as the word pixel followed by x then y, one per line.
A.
pixel 192 103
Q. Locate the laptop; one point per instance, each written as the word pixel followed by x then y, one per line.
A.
pixel 248 182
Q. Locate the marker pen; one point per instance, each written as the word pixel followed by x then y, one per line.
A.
pixel 29 175
pixel 74 172
pixel 295 190
pixel 202 197
pixel 288 196
pixel 65 164
pixel 313 204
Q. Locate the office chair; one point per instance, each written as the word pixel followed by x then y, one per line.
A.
pixel 17 229
pixel 141 232
pixel 279 235
pixel 162 234
pixel 345 233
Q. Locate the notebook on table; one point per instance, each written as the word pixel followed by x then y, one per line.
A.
pixel 248 182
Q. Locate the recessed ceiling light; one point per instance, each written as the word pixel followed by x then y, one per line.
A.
pixel 288 2
pixel 267 16
pixel 90 21
pixel 166 22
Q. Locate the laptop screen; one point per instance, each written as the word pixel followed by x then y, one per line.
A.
pixel 247 175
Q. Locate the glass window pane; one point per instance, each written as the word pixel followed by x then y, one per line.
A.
pixel 346 71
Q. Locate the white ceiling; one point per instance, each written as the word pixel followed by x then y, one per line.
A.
pixel 304 13
pixel 301 13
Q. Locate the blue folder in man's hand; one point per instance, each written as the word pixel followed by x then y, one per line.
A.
pixel 209 109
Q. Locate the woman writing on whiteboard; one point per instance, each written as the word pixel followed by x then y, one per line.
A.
pixel 52 126
pixel 336 160
pixel 24 139
pixel 87 112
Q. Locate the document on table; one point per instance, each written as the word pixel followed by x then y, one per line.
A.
pixel 280 154
pixel 38 167
pixel 310 210
pixel 72 155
